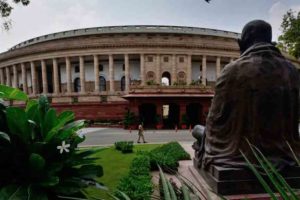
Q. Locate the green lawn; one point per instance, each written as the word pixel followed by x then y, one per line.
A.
pixel 115 166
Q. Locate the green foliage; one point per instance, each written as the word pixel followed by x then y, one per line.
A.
pixel 124 146
pixel 6 9
pixel 197 82
pixel 12 93
pixel 290 38
pixel 276 179
pixel 179 83
pixel 167 156
pixel 129 118
pixel 137 184
pixel 151 82
pixel 140 166
pixel 38 150
pixel 170 191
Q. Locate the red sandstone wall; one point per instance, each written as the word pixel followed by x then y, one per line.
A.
pixel 95 111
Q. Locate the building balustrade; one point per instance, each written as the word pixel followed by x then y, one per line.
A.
pixel 171 89
pixel 34 77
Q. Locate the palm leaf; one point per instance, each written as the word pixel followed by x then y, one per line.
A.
pixel 259 177
pixel 269 173
pixel 279 177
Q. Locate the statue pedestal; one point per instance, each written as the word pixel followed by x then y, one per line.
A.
pixel 236 181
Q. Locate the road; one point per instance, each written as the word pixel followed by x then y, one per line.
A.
pixel 108 136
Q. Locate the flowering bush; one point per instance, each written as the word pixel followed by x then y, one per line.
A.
pixel 38 151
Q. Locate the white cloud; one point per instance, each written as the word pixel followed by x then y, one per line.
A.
pixel 43 17
pixel 276 13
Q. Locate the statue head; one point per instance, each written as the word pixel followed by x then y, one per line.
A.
pixel 255 31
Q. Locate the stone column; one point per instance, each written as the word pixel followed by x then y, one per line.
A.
pixel 189 70
pixel 69 75
pixel 15 80
pixel 33 78
pixel 96 71
pixel 111 73
pixel 82 74
pixel 44 77
pixel 218 67
pixel 8 79
pixel 24 77
pixel 173 76
pixel 142 69
pixel 127 73
pixel 55 77
pixel 1 76
pixel 158 72
pixel 204 69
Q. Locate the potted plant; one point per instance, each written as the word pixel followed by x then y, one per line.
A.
pixel 129 120
pixel 184 121
pixel 158 122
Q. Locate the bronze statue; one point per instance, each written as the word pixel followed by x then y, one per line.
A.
pixel 256 98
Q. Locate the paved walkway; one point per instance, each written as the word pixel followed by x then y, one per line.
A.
pixel 108 136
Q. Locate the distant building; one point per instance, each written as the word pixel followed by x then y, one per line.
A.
pixel 100 73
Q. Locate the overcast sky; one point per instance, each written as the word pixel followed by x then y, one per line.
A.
pixel 47 16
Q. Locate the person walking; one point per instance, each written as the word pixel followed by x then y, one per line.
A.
pixel 141 134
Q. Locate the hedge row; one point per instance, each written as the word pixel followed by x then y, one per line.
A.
pixel 137 184
pixel 124 146
pixel 167 157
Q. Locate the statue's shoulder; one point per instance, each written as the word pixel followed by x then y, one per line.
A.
pixel 232 67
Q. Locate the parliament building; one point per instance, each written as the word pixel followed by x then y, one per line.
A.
pixel 101 73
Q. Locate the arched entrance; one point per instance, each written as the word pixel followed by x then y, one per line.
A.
pixel 147 114
pixel 166 79
pixel 194 113
pixel 170 115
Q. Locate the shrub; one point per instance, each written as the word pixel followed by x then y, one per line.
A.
pixel 136 187
pixel 167 156
pixel 124 146
pixel 137 184
pixel 38 151
pixel 140 166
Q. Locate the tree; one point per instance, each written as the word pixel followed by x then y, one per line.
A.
pixel 6 9
pixel 290 38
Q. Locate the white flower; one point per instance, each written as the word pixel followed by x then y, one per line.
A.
pixel 63 147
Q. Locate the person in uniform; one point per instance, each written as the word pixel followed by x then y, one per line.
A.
pixel 141 134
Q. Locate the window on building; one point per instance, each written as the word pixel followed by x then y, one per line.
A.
pixel 150 58
pixel 77 69
pixel 166 59
pixel 123 67
pixel 123 83
pixel 166 79
pixel 181 59
pixel 150 76
pixel 77 86
pixel 101 68
pixel 102 84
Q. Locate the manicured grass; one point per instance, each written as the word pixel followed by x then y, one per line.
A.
pixel 115 166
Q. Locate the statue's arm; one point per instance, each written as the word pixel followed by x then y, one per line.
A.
pixel 222 103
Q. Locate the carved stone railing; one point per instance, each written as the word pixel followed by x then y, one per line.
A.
pixel 176 89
